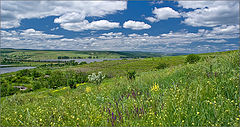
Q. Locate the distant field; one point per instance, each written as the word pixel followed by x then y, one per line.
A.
pixel 54 54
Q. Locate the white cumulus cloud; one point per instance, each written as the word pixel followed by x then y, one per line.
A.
pixel 136 25
pixel 163 14
pixel 85 25
pixel 211 13
pixel 12 12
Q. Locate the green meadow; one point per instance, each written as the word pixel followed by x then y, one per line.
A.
pixel 165 91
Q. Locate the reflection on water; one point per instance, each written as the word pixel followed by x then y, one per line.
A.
pixel 13 69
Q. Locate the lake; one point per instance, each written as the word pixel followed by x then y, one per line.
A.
pixel 13 69
pixel 82 60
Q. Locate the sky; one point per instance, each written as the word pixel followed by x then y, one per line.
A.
pixel 149 26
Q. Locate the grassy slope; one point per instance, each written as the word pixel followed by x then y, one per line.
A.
pixel 120 67
pixel 187 95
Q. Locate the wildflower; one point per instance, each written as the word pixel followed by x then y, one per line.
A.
pixel 88 89
pixel 64 88
pixel 237 118
pixel 55 91
pixel 192 123
pixel 81 84
pixel 155 87
pixel 197 113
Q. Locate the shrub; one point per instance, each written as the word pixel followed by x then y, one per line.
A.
pixel 57 79
pixel 73 86
pixel 24 72
pixel 162 66
pixel 131 75
pixel 192 58
pixel 7 90
pixel 36 74
pixel 96 78
pixel 37 85
pixel 84 62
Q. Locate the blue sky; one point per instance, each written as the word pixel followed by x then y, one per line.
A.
pixel 160 26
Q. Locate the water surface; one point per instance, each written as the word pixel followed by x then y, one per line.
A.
pixel 82 60
pixel 13 69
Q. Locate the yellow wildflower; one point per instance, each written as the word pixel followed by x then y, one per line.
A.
pixel 88 89
pixel 155 87
pixel 55 91
pixel 197 112
pixel 64 88
pixel 81 84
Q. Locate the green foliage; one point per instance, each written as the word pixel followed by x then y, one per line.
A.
pixel 82 63
pixel 7 89
pixel 57 79
pixel 131 75
pixel 162 66
pixel 37 85
pixel 24 72
pixel 72 83
pixel 36 73
pixel 192 58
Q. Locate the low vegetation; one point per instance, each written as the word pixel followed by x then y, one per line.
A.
pixel 204 93
pixel 192 58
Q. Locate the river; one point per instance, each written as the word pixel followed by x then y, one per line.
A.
pixel 12 69
pixel 82 60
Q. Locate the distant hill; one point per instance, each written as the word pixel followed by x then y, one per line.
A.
pixel 73 54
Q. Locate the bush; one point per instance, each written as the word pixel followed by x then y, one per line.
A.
pixel 72 84
pixel 37 85
pixel 24 72
pixel 162 66
pixel 36 74
pixel 57 79
pixel 96 78
pixel 192 58
pixel 131 75
pixel 7 90
pixel 84 62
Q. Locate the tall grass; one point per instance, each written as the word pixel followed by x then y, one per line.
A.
pixel 201 94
